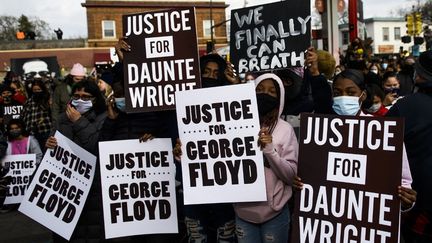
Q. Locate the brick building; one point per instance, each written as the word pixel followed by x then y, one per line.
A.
pixel 104 18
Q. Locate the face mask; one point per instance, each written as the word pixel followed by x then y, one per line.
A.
pixel 120 103
pixel 374 108
pixel 38 95
pixel 384 66
pixel 392 90
pixel 210 82
pixel 82 106
pixel 346 105
pixel 374 71
pixel 7 99
pixel 266 103
pixel 15 133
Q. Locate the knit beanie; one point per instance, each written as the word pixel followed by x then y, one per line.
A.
pixel 77 70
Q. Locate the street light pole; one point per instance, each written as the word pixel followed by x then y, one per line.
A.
pixel 211 23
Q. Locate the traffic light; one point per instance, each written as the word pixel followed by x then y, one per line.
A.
pixel 410 24
pixel 418 23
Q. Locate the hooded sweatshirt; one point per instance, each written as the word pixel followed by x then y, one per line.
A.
pixel 282 156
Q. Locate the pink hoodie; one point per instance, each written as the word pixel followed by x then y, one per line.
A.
pixel 282 155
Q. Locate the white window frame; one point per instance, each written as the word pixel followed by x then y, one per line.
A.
pixel 103 29
pixel 397 37
pixel 384 35
pixel 207 24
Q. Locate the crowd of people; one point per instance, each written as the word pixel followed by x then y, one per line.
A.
pixel 89 110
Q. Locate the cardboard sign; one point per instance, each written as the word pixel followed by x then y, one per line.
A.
pixel 21 168
pixel 218 129
pixel 270 36
pixel 57 194
pixel 351 168
pixel 138 187
pixel 163 58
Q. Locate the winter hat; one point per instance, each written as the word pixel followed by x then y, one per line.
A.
pixel 326 63
pixel 77 70
pixel 423 66
pixel 107 77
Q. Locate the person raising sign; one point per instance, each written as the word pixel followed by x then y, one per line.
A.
pixel 349 92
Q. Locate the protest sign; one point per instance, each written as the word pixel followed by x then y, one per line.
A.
pixel 11 112
pixel 351 168
pixel 21 168
pixel 57 194
pixel 270 36
pixel 163 58
pixel 138 187
pixel 218 129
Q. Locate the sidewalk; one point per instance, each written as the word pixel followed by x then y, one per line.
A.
pixel 15 227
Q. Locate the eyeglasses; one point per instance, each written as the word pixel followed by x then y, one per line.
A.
pixel 83 97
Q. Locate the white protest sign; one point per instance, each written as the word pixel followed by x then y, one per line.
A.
pixel 221 161
pixel 138 187
pixel 59 189
pixel 21 167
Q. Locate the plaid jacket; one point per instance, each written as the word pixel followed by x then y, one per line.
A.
pixel 36 117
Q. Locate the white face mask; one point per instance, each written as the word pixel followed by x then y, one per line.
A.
pixel 374 108
pixel 82 106
pixel 346 105
pixel 374 71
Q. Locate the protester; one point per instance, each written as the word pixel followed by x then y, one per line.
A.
pixel 81 122
pixel 59 33
pixel 36 113
pixel 373 103
pixel 391 87
pixel 4 180
pixel 269 221
pixel 63 91
pixel 105 82
pixel 20 141
pixel 211 222
pixel 20 94
pixel 417 226
pixel 406 76
pixel 348 95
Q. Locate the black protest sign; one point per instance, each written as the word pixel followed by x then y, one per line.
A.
pixel 11 112
pixel 163 58
pixel 351 168
pixel 138 187
pixel 58 191
pixel 21 168
pixel 270 36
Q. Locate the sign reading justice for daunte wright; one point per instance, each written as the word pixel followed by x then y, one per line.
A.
pixel 270 36
pixel 163 58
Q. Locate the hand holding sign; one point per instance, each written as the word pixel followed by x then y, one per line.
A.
pixel 121 46
pixel 408 196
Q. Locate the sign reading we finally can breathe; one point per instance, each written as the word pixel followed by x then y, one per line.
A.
pixel 221 160
pixel 270 36
pixel 163 58
pixel 351 168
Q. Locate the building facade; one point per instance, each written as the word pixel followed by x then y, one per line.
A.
pixel 386 33
pixel 104 19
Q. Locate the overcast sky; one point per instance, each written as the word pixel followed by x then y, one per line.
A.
pixel 70 16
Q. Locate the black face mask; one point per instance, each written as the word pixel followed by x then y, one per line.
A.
pixel 38 95
pixel 211 82
pixel 7 99
pixel 15 133
pixel 266 103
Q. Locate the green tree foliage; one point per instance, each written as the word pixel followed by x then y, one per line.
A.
pixel 9 25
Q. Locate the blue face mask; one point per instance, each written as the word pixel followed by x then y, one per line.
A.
pixel 346 105
pixel 82 106
pixel 120 103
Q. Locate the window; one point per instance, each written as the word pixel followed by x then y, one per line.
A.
pixel 345 37
pixel 386 34
pixel 397 33
pixel 207 24
pixel 108 29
